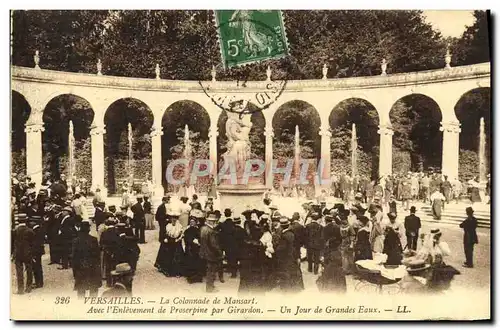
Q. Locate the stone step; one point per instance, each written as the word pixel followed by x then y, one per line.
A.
pixel 480 224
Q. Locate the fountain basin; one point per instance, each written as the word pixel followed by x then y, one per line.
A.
pixel 241 197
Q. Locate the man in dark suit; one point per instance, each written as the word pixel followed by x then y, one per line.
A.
pixel 314 243
pixel 226 231
pixel 54 216
pixel 331 229
pixel 110 243
pixel 287 272
pixel 67 233
pixel 139 219
pixel 236 242
pixel 469 226
pixel 412 227
pixel 299 233
pixel 99 215
pixel 210 250
pixel 161 217
pixel 38 251
pixel 23 238
pixel 86 262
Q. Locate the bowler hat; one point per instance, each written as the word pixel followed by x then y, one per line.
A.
pixel 469 210
pixel 413 209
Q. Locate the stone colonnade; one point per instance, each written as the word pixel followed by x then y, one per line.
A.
pixel 450 130
pixel 445 87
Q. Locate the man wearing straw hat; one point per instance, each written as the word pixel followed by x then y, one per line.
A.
pixel 123 276
pixel 288 272
pixel 66 234
pixel 210 250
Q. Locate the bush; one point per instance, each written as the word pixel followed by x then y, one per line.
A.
pixel 117 171
pixel 468 164
pixel 401 161
pixel 18 159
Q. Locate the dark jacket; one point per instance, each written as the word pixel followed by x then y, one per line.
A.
pixel 331 230
pixel 38 244
pixel 86 262
pixel 288 274
pixel 225 230
pixel 299 233
pixel 469 226
pixel 139 214
pixel 210 249
pixel 110 241
pixel 23 238
pixel 147 207
pixel 412 223
pixel 67 229
pixel 314 238
pixel 236 241
pixel 161 213
pixel 99 217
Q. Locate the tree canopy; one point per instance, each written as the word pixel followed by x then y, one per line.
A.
pixel 184 43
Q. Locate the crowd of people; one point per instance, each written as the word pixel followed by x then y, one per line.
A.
pixel 432 187
pixel 262 245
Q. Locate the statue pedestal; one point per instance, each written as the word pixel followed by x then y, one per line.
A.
pixel 241 197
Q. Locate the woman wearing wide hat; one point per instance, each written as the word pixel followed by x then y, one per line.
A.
pixel 332 279
pixel 170 255
pixel 362 248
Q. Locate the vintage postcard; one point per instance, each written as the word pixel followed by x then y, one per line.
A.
pixel 250 165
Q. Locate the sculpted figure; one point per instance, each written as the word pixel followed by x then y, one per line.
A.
pixel 238 144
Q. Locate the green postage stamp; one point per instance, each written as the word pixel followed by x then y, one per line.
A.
pixel 248 36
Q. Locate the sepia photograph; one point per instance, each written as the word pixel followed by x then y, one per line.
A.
pixel 249 165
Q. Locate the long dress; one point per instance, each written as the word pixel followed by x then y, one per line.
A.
pixel 437 205
pixel 251 272
pixel 346 247
pixel 288 273
pixel 393 248
pixel 332 279
pixel 193 264
pixel 377 236
pixel 363 249
pixel 170 255
pixel 212 189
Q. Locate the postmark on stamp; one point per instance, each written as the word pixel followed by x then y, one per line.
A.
pixel 248 36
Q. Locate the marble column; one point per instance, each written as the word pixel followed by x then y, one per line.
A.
pixel 325 174
pixel 449 165
pixel 212 135
pixel 269 133
pixel 385 157
pixel 34 163
pixel 97 150
pixel 157 169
